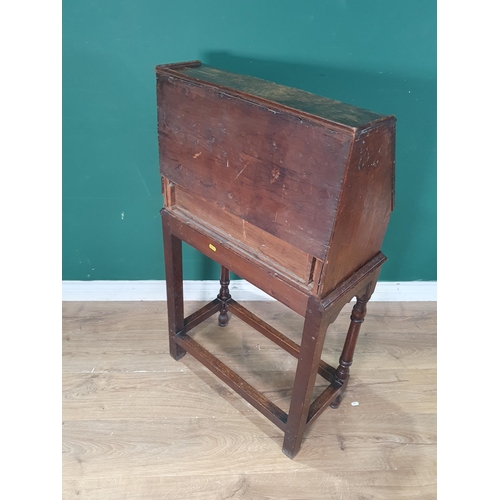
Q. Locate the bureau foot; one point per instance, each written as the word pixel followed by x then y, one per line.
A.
pixel 224 296
pixel 317 319
pixel 336 402
pixel 223 317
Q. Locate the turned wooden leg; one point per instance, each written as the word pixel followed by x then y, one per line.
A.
pixel 313 338
pixel 175 299
pixel 345 361
pixel 224 296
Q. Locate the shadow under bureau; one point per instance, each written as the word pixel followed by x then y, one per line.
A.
pixel 289 190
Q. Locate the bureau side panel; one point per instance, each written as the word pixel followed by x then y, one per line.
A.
pixel 365 206
pixel 275 170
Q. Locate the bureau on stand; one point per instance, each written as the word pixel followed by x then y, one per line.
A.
pixel 290 191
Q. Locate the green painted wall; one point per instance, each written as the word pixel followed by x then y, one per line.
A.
pixel 376 54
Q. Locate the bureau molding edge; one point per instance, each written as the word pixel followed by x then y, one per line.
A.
pixel 151 290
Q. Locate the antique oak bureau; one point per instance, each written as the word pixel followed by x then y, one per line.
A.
pixel 289 190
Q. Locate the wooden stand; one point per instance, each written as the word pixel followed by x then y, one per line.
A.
pixel 296 200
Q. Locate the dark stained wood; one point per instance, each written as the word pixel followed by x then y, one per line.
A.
pixel 279 286
pixel 219 147
pixel 224 296
pixel 331 393
pixel 324 369
pixel 201 315
pixel 313 337
pixel 362 280
pixel 292 192
pixel 279 97
pixel 357 317
pixel 175 296
pixel 263 245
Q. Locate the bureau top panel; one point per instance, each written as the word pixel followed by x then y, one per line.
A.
pixel 304 102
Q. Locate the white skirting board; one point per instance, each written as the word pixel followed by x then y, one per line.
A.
pixel 386 291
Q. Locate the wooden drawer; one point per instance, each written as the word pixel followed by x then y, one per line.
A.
pixel 263 246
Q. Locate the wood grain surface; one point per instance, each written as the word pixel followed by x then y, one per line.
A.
pixel 137 424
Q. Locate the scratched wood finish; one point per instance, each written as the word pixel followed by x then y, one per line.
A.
pixel 288 258
pixel 293 98
pixel 366 203
pixel 312 172
pixel 269 168
pixel 137 424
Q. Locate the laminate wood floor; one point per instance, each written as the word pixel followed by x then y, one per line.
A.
pixel 139 425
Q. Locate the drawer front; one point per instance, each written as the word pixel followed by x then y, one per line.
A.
pixel 260 244
pixel 222 251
